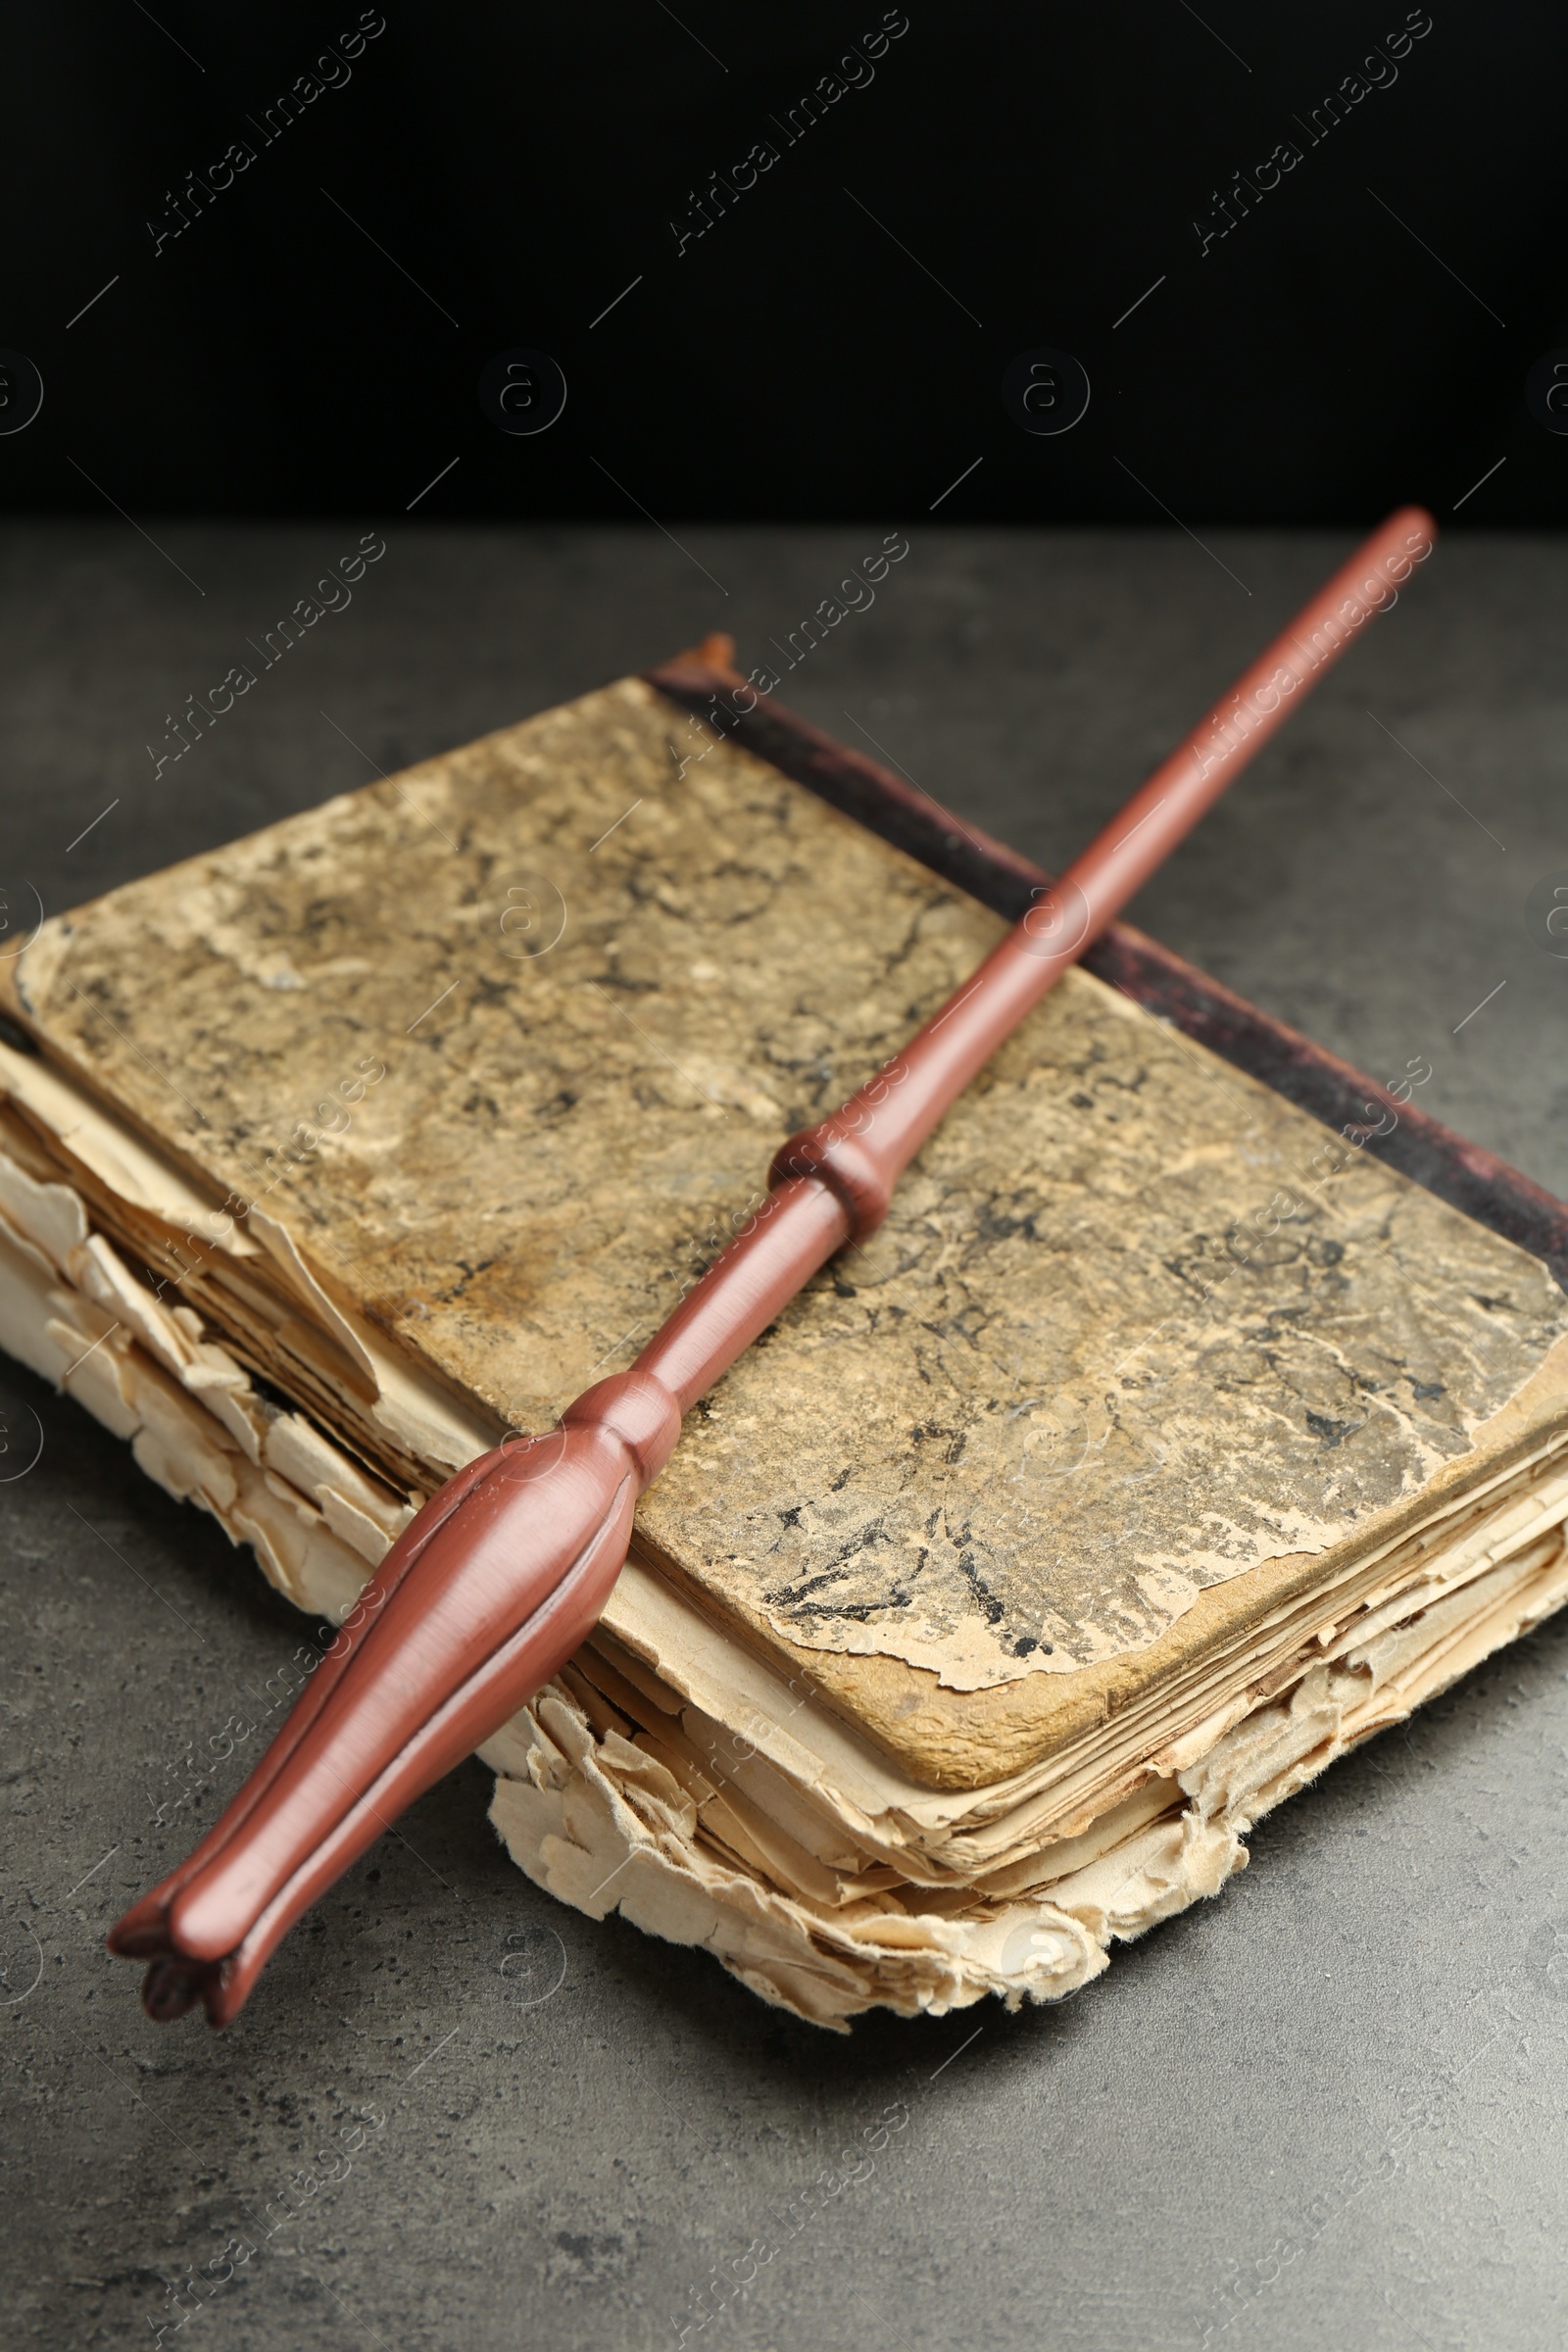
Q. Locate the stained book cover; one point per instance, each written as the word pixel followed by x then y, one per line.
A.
pixel 498 1053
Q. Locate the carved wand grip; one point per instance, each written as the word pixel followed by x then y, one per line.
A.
pixel 492 1587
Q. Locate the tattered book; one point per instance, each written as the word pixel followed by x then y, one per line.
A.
pixel 1161 1444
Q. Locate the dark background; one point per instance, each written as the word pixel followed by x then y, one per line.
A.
pixel 1044 162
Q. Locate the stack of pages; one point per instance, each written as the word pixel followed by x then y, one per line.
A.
pixel 1158 1448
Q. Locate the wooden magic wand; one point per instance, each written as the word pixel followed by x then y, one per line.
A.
pixel 490 1589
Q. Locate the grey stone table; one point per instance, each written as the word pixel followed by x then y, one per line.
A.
pixel 1325 2109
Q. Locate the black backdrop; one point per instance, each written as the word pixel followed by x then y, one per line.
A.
pixel 991 181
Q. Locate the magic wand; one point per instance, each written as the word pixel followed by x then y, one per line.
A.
pixel 494 1583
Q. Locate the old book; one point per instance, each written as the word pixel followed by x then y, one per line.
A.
pixel 1171 1437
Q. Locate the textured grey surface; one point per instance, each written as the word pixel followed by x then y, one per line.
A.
pixel 1325 2109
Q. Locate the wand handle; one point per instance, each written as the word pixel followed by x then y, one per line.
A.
pixel 496 1581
